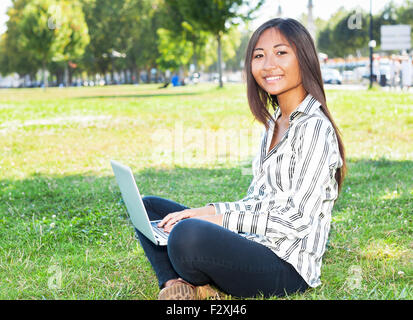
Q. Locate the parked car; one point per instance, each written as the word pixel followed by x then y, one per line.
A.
pixel 331 76
pixel 349 76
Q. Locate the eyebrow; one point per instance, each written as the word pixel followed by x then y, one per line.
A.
pixel 277 45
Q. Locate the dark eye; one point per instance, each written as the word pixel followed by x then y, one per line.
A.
pixel 280 53
pixel 259 55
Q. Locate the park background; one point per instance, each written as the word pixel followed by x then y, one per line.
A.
pixel 87 81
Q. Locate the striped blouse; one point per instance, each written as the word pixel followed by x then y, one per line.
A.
pixel 289 201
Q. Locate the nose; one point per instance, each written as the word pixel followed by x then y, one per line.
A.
pixel 270 62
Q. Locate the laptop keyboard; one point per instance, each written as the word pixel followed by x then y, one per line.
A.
pixel 159 231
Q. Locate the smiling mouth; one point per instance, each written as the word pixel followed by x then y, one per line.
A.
pixel 272 79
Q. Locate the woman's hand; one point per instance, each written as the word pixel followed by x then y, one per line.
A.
pixel 171 219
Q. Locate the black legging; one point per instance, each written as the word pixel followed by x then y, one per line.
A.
pixel 201 252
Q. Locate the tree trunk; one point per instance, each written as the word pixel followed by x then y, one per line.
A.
pixel 44 76
pixel 112 79
pixel 125 77
pixel 195 58
pixel 23 76
pixel 33 79
pixel 219 61
pixel 130 78
pixel 70 72
pixel 181 74
pixel 149 75
pixel 138 75
pixel 66 75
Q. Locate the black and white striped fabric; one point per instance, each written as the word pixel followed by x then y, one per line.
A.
pixel 289 201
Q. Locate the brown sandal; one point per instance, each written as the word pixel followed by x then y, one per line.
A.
pixel 179 290
pixel 182 290
pixel 207 292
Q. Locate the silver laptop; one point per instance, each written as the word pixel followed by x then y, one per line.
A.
pixel 135 206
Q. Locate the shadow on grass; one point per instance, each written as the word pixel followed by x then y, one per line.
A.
pixel 149 95
pixel 47 194
pixel 368 180
pixel 377 197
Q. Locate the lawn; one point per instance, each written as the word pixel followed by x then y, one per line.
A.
pixel 64 229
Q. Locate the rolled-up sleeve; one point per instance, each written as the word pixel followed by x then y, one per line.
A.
pixel 290 213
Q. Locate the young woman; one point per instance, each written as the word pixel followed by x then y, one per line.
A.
pixel 272 241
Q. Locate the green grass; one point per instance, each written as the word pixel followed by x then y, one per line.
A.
pixel 64 229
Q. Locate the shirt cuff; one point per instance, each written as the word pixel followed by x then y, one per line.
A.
pixel 219 207
pixel 222 208
pixel 241 221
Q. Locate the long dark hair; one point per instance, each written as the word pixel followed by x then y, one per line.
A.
pixel 300 39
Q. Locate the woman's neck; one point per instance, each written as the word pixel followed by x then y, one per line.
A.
pixel 288 101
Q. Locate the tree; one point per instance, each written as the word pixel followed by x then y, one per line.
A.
pixel 348 40
pixel 325 39
pixel 49 34
pixel 104 20
pixel 13 57
pixel 216 17
pixel 144 41
pixel 125 26
pixel 339 38
pixel 319 23
pixel 405 12
pixel 174 50
pixel 4 59
pixel 388 16
pixel 179 43
pixel 78 39
pixel 240 45
pixel 230 47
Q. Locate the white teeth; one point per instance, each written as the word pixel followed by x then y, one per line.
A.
pixel 273 78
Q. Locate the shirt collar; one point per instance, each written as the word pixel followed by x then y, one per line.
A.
pixel 308 106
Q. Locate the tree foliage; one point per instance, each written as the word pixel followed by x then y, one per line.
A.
pixel 337 39
pixel 216 17
pixel 51 30
pixel 13 57
pixel 103 36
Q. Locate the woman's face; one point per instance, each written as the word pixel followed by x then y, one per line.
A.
pixel 274 64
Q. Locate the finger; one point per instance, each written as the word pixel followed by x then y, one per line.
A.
pixel 162 222
pixel 172 221
pixel 169 228
pixel 176 218
pixel 166 219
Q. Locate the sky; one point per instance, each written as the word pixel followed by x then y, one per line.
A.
pixel 321 8
pixel 290 8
